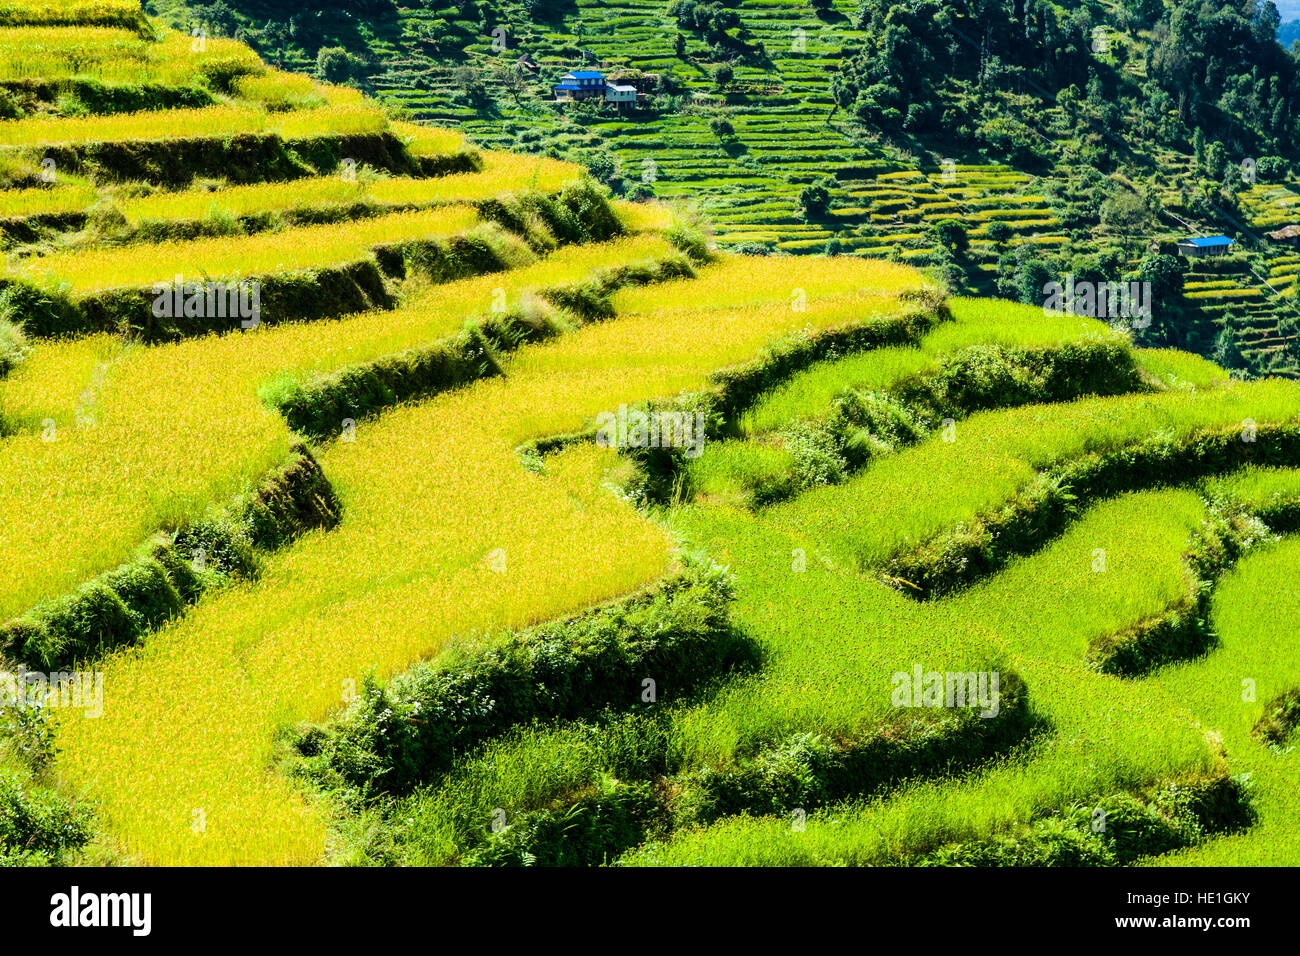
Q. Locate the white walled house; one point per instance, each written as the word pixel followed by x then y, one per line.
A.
pixel 620 95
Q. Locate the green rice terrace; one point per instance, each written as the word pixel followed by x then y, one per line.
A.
pixel 748 110
pixel 748 180
pixel 375 497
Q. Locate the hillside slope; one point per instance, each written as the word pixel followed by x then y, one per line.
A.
pixel 414 502
pixel 1088 164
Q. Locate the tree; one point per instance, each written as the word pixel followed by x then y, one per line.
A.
pixel 1125 213
pixel 277 35
pixel 814 200
pixel 950 234
pixel 723 75
pixel 513 82
pixel 1165 273
pixel 470 81
pixel 1031 277
pixel 336 65
pixel 722 127
pixel 602 165
pixel 1145 12
pixel 1165 277
pixel 679 45
pixel 219 18
pixel 1272 168
pixel 949 270
pixel 1227 350
pixel 999 232
pixel 1216 159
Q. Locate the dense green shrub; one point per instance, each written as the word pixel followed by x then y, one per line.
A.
pixel 336 65
pixel 37 827
pixel 580 213
pixel 816 453
pixel 814 201
pixel 808 771
pixel 454 258
pixel 394 737
pixel 1281 717
pixel 999 232
pixel 13 343
pixel 1053 842
pixel 248 158
pixel 867 424
pixel 659 475
pixel 81 96
pixel 951 234
pixel 305 295
pixel 589 831
pixel 1116 830
pixel 993 376
pixel 319 409
pixel 37 312
pixel 121 606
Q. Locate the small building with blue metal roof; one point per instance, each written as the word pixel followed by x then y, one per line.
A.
pixel 1205 246
pixel 581 85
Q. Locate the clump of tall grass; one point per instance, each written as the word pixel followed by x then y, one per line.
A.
pixel 13 343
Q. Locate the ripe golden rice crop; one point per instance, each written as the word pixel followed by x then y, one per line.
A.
pixel 131 453
pixel 83 13
pixel 279 90
pixel 772 280
pixel 501 173
pixel 56 379
pixel 428 140
pixel 304 247
pixel 117 55
pixel 18 203
pixel 445 538
pixel 208 121
pixel 276 89
pixel 645 216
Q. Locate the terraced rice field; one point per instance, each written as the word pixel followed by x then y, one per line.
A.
pixel 371 583
pixel 886 191
pixel 782 118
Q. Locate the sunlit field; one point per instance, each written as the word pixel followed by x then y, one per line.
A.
pixel 367 591
pixel 291 249
pixel 503 173
pixel 370 582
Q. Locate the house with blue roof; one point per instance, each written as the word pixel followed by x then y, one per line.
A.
pixel 1205 246
pixel 581 85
